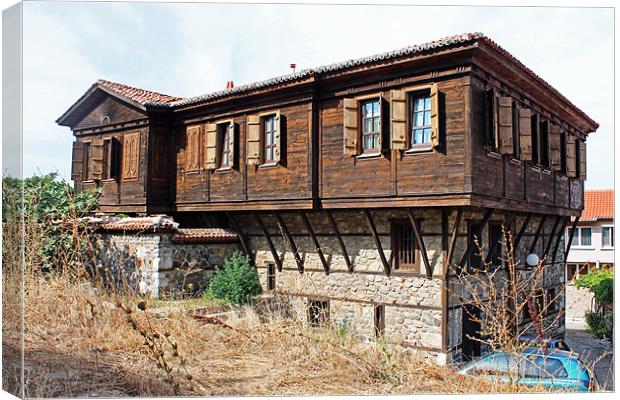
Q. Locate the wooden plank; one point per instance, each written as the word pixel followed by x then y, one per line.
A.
pixel 541 225
pixel 470 247
pixel 267 236
pixel 420 243
pixel 317 246
pixel 570 239
pixel 548 246
pixel 557 241
pixel 343 248
pixel 507 226
pixel 455 233
pixel 291 242
pixel 242 237
pixel 373 232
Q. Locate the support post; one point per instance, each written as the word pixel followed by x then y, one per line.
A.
pixel 420 243
pixel 455 233
pixel 242 238
pixel 291 242
pixel 375 236
pixel 274 253
pixel 343 248
pixel 317 246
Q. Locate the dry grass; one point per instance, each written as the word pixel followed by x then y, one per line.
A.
pixel 81 341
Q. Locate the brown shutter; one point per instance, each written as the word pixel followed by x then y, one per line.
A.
pixel 231 143
pixel 351 132
pixel 434 115
pixel 525 133
pixel 254 140
pixel 505 125
pixel 97 159
pixel 382 113
pixel 211 153
pixel 77 160
pixel 399 119
pixel 554 144
pixel 582 159
pixel 571 157
pixel 279 129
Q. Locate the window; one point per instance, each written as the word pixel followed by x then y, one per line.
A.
pixel 371 125
pixel 608 236
pixel 270 132
pixel 86 161
pixel 516 142
pixel 571 271
pixel 420 119
pixel 379 320
pixel 563 152
pixel 226 152
pixel 544 143
pixel 111 158
pixel 474 239
pixel 490 128
pixel 582 237
pixel 583 269
pixel 403 246
pixel 495 237
pixel 318 312
pixel 271 276
pixel 535 143
pixel 542 367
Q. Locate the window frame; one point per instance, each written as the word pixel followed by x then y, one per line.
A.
pixel 563 153
pixel 491 130
pixel 611 237
pixel 396 226
pixel 361 134
pixel 222 144
pixel 535 136
pixel 578 236
pixel 86 161
pixel 274 142
pixel 379 320
pixel 412 95
pixel 320 317
pixel 543 143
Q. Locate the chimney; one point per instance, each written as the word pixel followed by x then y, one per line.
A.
pixel 230 85
pixel 293 66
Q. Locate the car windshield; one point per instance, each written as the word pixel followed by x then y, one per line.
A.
pixel 494 364
pixel 534 366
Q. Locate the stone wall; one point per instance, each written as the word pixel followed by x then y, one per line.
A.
pixel 579 301
pixel 152 264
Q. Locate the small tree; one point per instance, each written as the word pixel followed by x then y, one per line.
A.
pixel 237 282
pixel 601 284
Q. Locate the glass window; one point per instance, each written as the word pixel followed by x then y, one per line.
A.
pixel 586 236
pixel 224 135
pixel 608 236
pixel 421 119
pixel 271 141
pixel 371 124
pixel 403 246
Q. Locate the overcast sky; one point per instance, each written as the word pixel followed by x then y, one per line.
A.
pixel 191 49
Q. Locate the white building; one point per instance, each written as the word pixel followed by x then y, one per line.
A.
pixel 592 247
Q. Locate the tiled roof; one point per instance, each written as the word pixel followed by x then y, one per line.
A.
pixel 159 223
pixel 204 235
pixel 141 96
pixel 599 204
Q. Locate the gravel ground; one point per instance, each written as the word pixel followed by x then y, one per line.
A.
pixel 592 349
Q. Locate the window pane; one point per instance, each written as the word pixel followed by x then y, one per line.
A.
pixel 419 104
pixel 268 138
pixel 419 118
pixel 427 135
pixel 367 141
pixel 376 123
pixel 417 136
pixel 375 107
pixel 427 118
pixel 575 241
pixel 607 237
pixel 586 236
pixel 368 125
pixel 367 110
pixel 427 103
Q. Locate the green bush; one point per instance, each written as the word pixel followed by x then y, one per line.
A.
pixel 237 282
pixel 600 324
pixel 601 284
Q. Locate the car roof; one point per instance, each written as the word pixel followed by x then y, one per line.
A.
pixel 550 352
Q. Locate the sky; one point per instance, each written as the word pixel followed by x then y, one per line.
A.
pixel 190 49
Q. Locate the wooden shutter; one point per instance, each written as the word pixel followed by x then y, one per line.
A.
pixel 525 133
pixel 211 149
pixel 280 126
pixel 77 160
pixel 97 159
pixel 505 125
pixel 582 159
pixel 254 140
pixel 351 132
pixel 571 157
pixel 399 119
pixel 554 144
pixel 193 148
pixel 434 115
pixel 231 143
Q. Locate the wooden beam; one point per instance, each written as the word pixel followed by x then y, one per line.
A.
pixel 507 225
pixel 455 233
pixel 291 242
pixel 570 239
pixel 373 232
pixel 445 216
pixel 522 231
pixel 541 225
pixel 420 242
pixel 557 241
pixel 343 248
pixel 548 246
pixel 242 238
pixel 485 220
pixel 274 253
pixel 317 246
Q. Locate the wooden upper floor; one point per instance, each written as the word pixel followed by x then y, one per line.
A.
pixel 454 122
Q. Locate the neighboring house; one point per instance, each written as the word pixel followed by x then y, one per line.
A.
pixel 592 247
pixel 357 188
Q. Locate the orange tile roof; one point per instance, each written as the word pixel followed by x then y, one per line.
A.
pixel 204 235
pixel 141 96
pixel 599 204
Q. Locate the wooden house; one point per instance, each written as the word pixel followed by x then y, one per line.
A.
pixel 357 188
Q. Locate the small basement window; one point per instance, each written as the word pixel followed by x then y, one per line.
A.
pixel 318 312
pixel 403 247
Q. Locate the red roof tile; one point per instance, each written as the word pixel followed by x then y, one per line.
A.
pixel 160 223
pixel 141 96
pixel 207 235
pixel 599 204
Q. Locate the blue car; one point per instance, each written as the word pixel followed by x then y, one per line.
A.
pixel 559 344
pixel 535 367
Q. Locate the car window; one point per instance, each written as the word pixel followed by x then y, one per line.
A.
pixel 561 345
pixel 542 367
pixel 495 364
